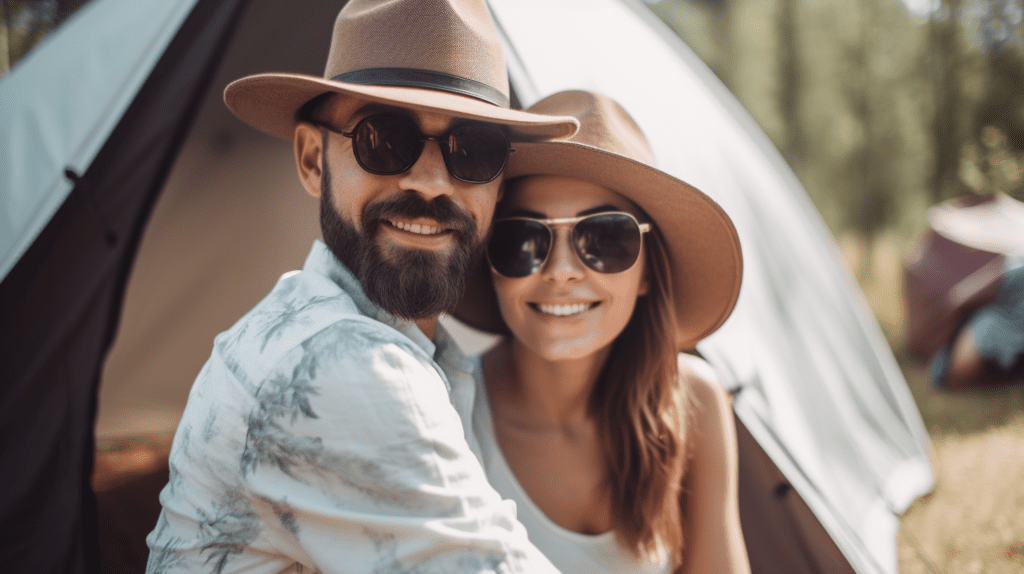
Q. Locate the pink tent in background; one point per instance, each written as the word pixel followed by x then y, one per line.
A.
pixel 956 267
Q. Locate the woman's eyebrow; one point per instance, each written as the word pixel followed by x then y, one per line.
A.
pixel 599 209
pixel 519 212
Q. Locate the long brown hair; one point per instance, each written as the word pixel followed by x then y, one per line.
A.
pixel 638 402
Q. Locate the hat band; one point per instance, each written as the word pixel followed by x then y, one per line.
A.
pixel 413 78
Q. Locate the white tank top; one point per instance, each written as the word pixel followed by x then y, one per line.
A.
pixel 571 552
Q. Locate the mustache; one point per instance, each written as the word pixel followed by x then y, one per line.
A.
pixel 412 206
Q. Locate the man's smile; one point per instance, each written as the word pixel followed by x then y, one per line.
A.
pixel 417 228
pixel 419 233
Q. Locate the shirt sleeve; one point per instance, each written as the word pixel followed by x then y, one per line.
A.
pixel 354 460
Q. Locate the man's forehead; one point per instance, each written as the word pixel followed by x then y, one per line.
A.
pixel 375 108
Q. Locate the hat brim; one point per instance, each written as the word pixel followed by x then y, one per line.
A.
pixel 271 102
pixel 702 243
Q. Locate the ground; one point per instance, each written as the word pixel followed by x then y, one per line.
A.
pixel 973 522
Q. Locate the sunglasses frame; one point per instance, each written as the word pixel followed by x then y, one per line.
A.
pixel 445 154
pixel 550 224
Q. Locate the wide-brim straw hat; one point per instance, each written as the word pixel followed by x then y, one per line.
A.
pixel 610 150
pixel 430 55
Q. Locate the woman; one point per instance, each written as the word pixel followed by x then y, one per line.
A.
pixel 620 455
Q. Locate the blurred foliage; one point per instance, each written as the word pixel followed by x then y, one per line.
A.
pixel 880 110
pixel 24 23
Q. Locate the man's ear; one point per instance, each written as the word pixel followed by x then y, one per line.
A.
pixel 309 155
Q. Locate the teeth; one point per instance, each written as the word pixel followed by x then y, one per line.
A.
pixel 416 228
pixel 564 310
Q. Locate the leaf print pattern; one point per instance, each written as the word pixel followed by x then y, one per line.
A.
pixel 286 515
pixel 387 551
pixel 184 439
pixel 165 557
pixel 267 442
pixel 386 546
pixel 211 417
pixel 174 479
pixel 285 398
pixel 233 527
pixel 292 314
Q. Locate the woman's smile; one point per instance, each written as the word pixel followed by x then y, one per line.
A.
pixel 564 309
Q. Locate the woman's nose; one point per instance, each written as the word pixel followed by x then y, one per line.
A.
pixel 562 264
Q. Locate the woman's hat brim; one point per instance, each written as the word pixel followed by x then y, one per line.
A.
pixel 271 102
pixel 702 243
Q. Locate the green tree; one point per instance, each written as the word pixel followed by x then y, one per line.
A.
pixel 947 68
pixel 790 72
pixel 993 160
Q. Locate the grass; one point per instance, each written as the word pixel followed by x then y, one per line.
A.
pixel 973 522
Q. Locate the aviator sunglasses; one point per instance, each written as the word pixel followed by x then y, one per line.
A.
pixel 607 242
pixel 389 145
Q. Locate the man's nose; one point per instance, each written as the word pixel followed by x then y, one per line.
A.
pixel 429 176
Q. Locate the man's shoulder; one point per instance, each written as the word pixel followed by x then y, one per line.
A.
pixel 302 309
pixel 300 304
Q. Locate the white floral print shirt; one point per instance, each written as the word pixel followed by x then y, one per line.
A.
pixel 322 436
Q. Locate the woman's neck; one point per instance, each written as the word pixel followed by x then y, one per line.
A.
pixel 533 392
pixel 547 436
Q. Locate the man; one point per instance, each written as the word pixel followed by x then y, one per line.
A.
pixel 322 434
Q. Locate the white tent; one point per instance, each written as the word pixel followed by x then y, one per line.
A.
pixel 171 234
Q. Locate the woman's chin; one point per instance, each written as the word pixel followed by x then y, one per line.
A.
pixel 564 349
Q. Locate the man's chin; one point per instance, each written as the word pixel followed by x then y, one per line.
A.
pixel 414 283
pixel 395 250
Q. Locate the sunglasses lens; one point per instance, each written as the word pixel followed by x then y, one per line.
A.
pixel 386 145
pixel 518 247
pixel 607 243
pixel 475 153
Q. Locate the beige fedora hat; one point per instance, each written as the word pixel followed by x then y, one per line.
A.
pixel 430 55
pixel 610 150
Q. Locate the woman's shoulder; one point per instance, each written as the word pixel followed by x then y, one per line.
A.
pixel 708 402
pixel 700 379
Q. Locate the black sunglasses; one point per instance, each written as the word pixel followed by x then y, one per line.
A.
pixel 389 145
pixel 607 242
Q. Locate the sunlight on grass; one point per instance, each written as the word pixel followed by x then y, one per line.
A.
pixel 974 521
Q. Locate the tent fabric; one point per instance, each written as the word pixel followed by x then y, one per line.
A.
pixel 832 446
pixel 824 398
pixel 799 543
pixel 231 219
pixel 62 101
pixel 62 299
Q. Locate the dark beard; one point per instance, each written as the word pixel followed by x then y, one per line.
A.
pixel 408 283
